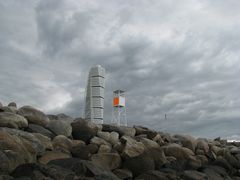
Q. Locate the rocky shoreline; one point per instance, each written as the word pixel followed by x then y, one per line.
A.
pixel 34 145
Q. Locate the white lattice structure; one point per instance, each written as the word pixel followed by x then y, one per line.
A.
pixel 94 105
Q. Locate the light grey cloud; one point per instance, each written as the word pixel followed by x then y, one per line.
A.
pixel 175 58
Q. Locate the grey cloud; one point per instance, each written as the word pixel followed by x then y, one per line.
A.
pixel 179 59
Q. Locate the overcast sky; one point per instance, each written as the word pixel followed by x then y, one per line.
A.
pixel 179 58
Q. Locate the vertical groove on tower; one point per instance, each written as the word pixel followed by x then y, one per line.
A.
pixel 94 106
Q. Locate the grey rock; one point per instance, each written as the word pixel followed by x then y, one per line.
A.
pixel 153 175
pixel 132 148
pixel 99 141
pixel 12 104
pixel 62 143
pixel 52 155
pixel 143 130
pixel 83 130
pixel 121 130
pixel 34 128
pixel 108 161
pixel 62 117
pixel 178 152
pixel 187 141
pixel 123 174
pixel 12 120
pixel 104 135
pixel 193 175
pixel 104 149
pixel 139 164
pixel 10 109
pixel 60 127
pixel 34 116
pixel 81 151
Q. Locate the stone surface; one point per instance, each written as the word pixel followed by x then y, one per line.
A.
pixel 83 130
pixel 132 148
pixel 34 128
pixel 10 109
pixel 60 127
pixel 44 140
pixel 123 174
pixel 104 149
pixel 104 135
pixel 178 152
pixel 93 148
pixel 153 175
pixel 107 160
pixel 149 143
pixel 12 104
pixel 62 143
pixel 12 120
pixel 99 141
pixel 143 130
pixel 114 138
pixel 52 155
pixel 62 117
pixel 34 116
pixel 81 151
pixel 187 141
pixel 193 175
pixel 121 130
pixel 139 164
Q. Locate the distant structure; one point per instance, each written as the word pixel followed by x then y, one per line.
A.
pixel 119 108
pixel 94 93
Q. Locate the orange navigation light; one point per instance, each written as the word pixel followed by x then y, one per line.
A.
pixel 116 101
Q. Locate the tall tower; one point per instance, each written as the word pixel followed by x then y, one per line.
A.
pixel 119 108
pixel 94 106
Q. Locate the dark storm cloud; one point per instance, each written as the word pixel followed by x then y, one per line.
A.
pixel 175 58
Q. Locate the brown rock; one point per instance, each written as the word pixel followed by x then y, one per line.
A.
pixel 12 120
pixel 81 151
pixel 52 155
pixel 33 115
pixel 107 160
pixel 178 152
pixel 132 148
pixel 62 143
pixel 123 173
pixel 104 149
pixel 83 130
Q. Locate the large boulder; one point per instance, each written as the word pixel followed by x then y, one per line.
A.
pixel 123 174
pixel 81 151
pixel 12 120
pixel 132 148
pixel 88 168
pixel 60 127
pixel 187 141
pixel 62 117
pixel 30 142
pixel 107 160
pixel 38 171
pixel 83 130
pixel 99 141
pixel 34 116
pixel 121 130
pixel 153 175
pixel 62 143
pixel 52 155
pixel 139 164
pixel 34 128
pixel 44 140
pixel 13 152
pixel 175 150
pixel 12 104
pixel 10 109
pixel 143 130
pixel 149 143
pixel 193 175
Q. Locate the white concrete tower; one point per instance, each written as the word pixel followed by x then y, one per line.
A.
pixel 119 108
pixel 94 106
